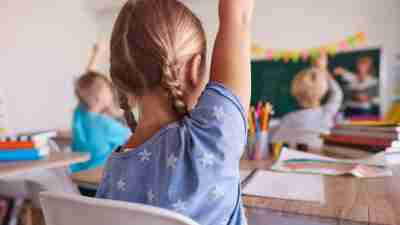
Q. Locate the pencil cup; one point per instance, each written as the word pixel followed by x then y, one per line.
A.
pixel 251 139
pixel 257 146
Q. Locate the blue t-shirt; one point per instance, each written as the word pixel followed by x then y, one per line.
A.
pixel 191 166
pixel 96 134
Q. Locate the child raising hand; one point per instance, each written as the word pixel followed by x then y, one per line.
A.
pixel 185 151
pixel 95 126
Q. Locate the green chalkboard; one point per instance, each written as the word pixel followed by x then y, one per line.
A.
pixel 271 80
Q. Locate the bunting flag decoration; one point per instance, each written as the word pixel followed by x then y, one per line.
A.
pixel 305 54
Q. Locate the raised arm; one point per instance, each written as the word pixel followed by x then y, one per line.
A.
pixel 94 57
pixel 231 57
pixel 335 99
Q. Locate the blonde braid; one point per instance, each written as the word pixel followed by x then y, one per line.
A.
pixel 171 83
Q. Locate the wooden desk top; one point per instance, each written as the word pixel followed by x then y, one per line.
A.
pixel 370 201
pixel 88 177
pixel 55 159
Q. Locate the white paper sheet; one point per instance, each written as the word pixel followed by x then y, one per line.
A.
pixel 286 186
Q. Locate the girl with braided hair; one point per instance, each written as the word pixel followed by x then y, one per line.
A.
pixel 186 146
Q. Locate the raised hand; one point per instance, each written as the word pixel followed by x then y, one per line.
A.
pixel 231 57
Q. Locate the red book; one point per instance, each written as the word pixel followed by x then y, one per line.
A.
pixel 373 142
pixel 17 145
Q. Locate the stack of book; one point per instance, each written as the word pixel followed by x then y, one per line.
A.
pixel 362 139
pixel 32 146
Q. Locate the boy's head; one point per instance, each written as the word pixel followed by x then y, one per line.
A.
pixel 94 91
pixel 158 47
pixel 309 87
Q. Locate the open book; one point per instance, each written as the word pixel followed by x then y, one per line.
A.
pixel 300 162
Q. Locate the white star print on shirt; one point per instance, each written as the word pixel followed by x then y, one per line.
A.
pixel 150 196
pixel 179 206
pixel 171 161
pixel 121 185
pixel 218 112
pixel 206 160
pixel 217 193
pixel 145 156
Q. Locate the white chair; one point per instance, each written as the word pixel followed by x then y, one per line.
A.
pixel 294 137
pixel 62 209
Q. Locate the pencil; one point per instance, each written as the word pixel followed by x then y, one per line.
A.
pixel 251 121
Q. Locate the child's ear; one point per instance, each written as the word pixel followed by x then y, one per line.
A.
pixel 194 70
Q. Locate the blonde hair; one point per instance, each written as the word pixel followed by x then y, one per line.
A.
pixel 152 41
pixel 89 86
pixel 309 87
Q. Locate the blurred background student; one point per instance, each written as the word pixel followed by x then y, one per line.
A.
pixel 309 88
pixel 96 125
pixel 362 88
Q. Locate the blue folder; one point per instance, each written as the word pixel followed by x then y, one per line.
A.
pixel 21 154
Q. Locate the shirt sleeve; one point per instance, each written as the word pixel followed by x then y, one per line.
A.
pixel 335 99
pixel 218 122
pixel 117 132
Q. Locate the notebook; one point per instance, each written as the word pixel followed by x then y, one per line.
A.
pixel 286 186
pixel 299 162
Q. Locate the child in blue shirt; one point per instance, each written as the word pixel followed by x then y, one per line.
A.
pixel 95 128
pixel 185 151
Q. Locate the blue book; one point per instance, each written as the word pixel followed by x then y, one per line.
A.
pixel 22 154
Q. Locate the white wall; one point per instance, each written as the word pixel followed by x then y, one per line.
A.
pixel 43 46
pixel 289 24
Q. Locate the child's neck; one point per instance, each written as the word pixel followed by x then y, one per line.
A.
pixel 156 113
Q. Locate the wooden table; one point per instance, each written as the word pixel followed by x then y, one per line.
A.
pixel 55 159
pixel 349 200
pixel 369 201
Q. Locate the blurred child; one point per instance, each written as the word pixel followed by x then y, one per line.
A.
pixel 304 126
pixel 95 128
pixel 363 88
pixel 184 154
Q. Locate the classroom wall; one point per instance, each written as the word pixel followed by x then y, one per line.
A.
pixel 43 46
pixel 288 24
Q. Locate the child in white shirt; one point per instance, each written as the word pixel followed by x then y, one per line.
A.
pixel 305 126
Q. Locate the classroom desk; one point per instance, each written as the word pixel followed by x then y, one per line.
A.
pixel 367 201
pixel 55 159
pixel 349 201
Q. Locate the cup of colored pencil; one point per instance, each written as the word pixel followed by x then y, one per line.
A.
pixel 258 123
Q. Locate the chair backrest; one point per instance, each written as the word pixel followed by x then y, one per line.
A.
pixel 62 209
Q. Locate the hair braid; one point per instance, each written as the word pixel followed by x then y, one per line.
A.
pixel 171 83
pixel 129 117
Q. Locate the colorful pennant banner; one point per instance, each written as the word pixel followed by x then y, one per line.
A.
pixel 297 55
